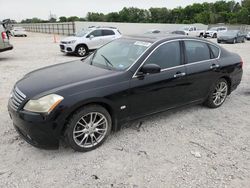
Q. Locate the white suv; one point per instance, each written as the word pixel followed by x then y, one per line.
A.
pixel 88 40
pixel 214 31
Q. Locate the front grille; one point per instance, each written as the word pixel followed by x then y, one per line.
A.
pixel 17 98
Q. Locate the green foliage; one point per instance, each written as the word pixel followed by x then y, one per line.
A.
pixel 207 13
pixel 62 19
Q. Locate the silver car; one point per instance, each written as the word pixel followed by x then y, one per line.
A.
pixel 4 40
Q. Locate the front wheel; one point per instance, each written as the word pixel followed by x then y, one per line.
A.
pixel 81 50
pixel 218 94
pixel 88 128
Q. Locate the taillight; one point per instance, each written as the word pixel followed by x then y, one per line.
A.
pixel 4 35
pixel 241 63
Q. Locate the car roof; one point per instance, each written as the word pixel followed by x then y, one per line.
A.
pixel 160 37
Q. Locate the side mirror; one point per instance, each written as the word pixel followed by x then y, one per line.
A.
pixel 150 69
pixel 91 37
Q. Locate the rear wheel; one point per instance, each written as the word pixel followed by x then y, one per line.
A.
pixel 88 128
pixel 218 94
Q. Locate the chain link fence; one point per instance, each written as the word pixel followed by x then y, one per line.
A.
pixel 66 28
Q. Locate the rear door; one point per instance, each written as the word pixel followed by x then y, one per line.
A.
pixel 108 35
pixel 200 67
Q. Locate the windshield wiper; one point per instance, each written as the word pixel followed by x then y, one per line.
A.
pixel 107 62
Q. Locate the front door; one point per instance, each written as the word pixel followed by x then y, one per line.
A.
pixel 159 91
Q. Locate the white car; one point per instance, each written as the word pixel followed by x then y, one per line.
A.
pixel 192 31
pixel 18 31
pixel 215 31
pixel 88 40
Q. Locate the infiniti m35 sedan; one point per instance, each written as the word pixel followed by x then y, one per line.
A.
pixel 131 77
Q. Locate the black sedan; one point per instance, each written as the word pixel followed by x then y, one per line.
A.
pixel 231 36
pixel 129 78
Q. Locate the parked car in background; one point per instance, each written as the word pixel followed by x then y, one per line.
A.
pixel 4 40
pixel 178 32
pixel 18 31
pixel 153 31
pixel 214 31
pixel 231 36
pixel 126 79
pixel 88 40
pixel 248 36
pixel 193 31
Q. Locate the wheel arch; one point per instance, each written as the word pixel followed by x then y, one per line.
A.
pixel 101 102
pixel 229 81
pixel 82 44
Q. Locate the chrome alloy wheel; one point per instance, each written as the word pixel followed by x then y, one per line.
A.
pixel 81 51
pixel 220 93
pixel 90 130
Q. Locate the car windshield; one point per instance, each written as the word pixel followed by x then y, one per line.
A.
pixel 185 28
pixel 82 33
pixel 213 29
pixel 118 54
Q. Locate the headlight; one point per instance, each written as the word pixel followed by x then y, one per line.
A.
pixel 43 105
pixel 72 42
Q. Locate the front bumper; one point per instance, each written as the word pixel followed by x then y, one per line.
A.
pixel 67 48
pixel 35 129
pixel 209 34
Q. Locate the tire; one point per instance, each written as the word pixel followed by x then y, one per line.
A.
pixel 214 35
pixel 81 50
pixel 243 40
pixel 218 41
pixel 201 35
pixel 83 136
pixel 219 89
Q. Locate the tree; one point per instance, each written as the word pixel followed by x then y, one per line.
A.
pixel 62 19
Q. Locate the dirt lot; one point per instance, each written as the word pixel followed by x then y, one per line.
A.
pixel 191 147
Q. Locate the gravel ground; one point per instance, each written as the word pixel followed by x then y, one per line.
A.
pixel 191 147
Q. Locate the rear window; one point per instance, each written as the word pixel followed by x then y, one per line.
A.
pixel 215 50
pixel 108 32
pixel 197 51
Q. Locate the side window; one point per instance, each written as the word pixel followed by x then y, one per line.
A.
pixel 107 32
pixel 215 50
pixel 96 33
pixel 197 51
pixel 166 56
pixel 191 29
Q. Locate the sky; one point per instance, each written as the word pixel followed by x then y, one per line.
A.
pixel 22 9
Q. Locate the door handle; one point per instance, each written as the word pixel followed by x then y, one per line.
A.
pixel 179 74
pixel 214 66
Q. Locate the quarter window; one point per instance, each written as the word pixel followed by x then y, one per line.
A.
pixel 197 51
pixel 215 50
pixel 107 32
pixel 166 56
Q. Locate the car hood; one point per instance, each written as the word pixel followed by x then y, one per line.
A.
pixel 67 39
pixel 211 31
pixel 58 77
pixel 226 36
